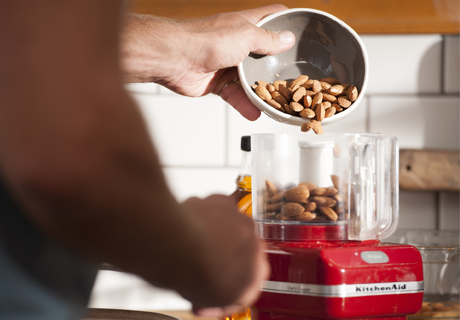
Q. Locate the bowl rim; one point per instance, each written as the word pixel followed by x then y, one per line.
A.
pixel 294 120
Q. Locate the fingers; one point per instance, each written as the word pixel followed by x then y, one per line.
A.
pixel 262 272
pixel 234 94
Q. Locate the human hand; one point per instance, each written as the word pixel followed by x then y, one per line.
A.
pixel 200 57
pixel 234 264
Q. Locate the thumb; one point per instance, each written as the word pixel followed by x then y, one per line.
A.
pixel 268 42
pixel 271 42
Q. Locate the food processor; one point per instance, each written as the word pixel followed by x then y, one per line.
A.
pixel 322 204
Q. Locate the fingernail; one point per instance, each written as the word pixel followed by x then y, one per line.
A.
pixel 286 37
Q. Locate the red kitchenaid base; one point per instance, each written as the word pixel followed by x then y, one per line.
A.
pixel 284 306
pixel 256 315
pixel 304 271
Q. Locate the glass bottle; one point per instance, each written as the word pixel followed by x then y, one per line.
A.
pixel 242 193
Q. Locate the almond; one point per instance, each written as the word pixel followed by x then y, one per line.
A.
pixel 317 127
pixel 280 216
pixel 337 107
pixel 323 191
pixel 317 99
pixel 322 201
pixel 271 188
pixel 305 216
pixel 270 207
pixel 320 112
pixel 330 112
pixel 299 94
pixel 340 207
pixel 352 93
pixel 300 80
pixel 308 85
pixel 297 194
pixel 263 93
pixel 326 104
pixel 307 100
pixel 290 209
pixel 278 97
pixel 277 197
pixel 285 92
pixel 266 196
pixel 310 93
pixel 307 113
pixel 329 213
pixel 336 90
pixel 321 218
pixel 344 102
pixel 338 183
pixel 274 104
pixel 329 97
pixel 307 126
pixel 297 107
pixel 324 85
pixel 338 197
pixel 311 206
pixel 271 88
pixel 277 83
pixel 288 110
pixel 316 86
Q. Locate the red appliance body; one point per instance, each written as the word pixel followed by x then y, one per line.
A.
pixel 319 279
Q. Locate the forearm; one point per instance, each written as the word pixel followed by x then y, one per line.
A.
pixel 152 48
pixel 76 153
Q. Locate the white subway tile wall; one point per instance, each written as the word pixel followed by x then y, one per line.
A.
pixel 413 94
pixel 404 64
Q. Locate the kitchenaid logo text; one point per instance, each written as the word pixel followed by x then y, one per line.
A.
pixel 343 290
pixel 377 288
pixel 297 289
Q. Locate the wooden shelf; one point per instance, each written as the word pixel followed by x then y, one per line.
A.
pixel 364 16
pixel 429 170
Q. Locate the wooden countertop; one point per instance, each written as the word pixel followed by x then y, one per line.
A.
pixel 364 16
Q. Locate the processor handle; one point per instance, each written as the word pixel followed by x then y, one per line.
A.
pixel 388 186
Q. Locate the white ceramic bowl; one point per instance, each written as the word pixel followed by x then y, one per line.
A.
pixel 325 47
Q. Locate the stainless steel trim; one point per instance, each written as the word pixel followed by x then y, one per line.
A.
pixel 343 290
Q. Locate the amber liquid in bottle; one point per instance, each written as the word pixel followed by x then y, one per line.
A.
pixel 243 197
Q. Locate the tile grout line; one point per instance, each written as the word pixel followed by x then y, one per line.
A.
pixel 443 65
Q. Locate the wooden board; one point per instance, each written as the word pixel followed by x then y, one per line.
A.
pixel 364 16
pixel 434 170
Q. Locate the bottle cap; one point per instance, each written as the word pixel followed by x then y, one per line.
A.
pixel 246 143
